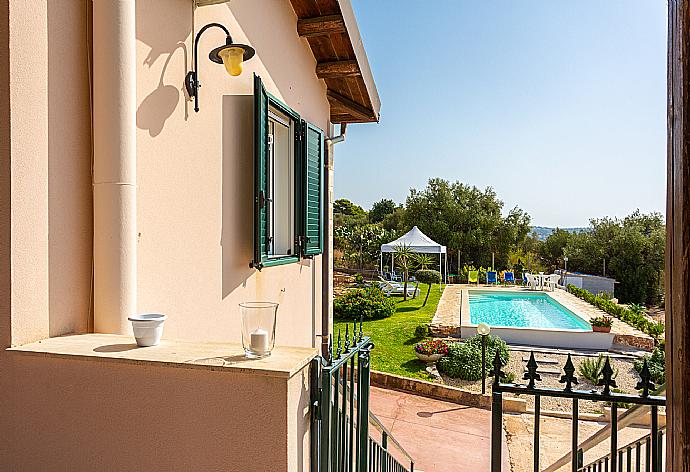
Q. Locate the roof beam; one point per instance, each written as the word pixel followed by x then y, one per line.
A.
pixel 335 69
pixel 320 26
pixel 350 106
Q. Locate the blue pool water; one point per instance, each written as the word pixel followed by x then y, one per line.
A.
pixel 523 310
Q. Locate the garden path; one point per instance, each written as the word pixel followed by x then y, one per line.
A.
pixel 441 436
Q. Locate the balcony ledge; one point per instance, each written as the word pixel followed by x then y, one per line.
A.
pixel 284 361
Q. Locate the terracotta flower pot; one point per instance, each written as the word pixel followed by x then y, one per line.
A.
pixel 601 329
pixel 428 357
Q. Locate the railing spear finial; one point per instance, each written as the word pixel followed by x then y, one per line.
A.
pixel 347 337
pixel 361 320
pixel 339 350
pixel 607 380
pixel 569 377
pixel 645 384
pixel 496 372
pixel 531 373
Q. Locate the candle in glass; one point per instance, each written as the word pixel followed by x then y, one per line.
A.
pixel 258 328
pixel 259 340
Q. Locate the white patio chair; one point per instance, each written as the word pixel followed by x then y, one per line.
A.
pixel 552 281
pixel 532 282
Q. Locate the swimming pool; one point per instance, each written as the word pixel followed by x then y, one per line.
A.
pixel 522 310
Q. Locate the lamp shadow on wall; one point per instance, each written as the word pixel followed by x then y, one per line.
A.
pixel 237 234
pixel 160 104
pixel 160 26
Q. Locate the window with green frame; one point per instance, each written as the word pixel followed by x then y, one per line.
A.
pixel 288 183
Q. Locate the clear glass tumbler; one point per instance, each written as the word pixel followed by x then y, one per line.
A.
pixel 258 328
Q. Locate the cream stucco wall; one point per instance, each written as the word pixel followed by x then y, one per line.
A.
pixel 68 414
pixel 195 170
pixel 194 247
pixel 46 207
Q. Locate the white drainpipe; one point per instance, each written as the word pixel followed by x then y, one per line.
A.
pixel 114 167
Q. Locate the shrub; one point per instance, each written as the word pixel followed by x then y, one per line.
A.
pixel 432 346
pixel 636 308
pixel 655 363
pixel 359 280
pixel 369 303
pixel 428 276
pixel 422 331
pixel 602 321
pixel 636 320
pixel 591 368
pixel 464 360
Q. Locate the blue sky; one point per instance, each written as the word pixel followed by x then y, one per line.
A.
pixel 559 105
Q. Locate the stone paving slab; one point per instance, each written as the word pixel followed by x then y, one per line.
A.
pixel 441 436
pixel 446 321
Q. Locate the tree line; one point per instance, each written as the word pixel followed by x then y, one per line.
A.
pixel 473 225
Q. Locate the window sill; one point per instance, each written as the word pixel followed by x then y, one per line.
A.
pixel 279 260
pixel 284 361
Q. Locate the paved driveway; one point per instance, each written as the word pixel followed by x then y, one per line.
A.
pixel 441 436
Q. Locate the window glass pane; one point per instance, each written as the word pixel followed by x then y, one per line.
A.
pixel 281 198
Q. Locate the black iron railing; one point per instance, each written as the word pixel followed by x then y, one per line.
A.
pixel 381 457
pixel 340 440
pixel 636 456
pixel 607 382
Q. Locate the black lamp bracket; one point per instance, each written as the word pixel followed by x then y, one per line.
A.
pixel 191 81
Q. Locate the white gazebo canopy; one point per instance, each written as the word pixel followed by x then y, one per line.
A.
pixel 417 242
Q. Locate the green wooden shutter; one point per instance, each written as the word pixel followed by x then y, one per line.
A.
pixel 260 173
pixel 312 188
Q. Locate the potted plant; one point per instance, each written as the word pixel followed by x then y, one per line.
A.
pixel 431 350
pixel 601 324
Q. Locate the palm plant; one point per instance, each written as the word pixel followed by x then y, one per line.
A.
pixel 404 257
pixel 592 368
pixel 422 261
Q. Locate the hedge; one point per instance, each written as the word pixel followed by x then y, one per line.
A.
pixel 636 320
pixel 368 303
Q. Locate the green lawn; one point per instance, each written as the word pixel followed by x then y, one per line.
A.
pixel 394 337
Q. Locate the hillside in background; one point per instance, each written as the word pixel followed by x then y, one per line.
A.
pixel 543 232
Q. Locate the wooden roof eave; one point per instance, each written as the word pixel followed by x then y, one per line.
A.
pixel 361 55
pixel 331 30
pixel 352 93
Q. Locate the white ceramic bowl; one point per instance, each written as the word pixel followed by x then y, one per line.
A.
pixel 148 328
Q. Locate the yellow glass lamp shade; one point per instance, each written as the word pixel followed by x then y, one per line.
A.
pixel 232 56
pixel 483 329
pixel 232 60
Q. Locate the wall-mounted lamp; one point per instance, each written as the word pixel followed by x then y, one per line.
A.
pixel 231 55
